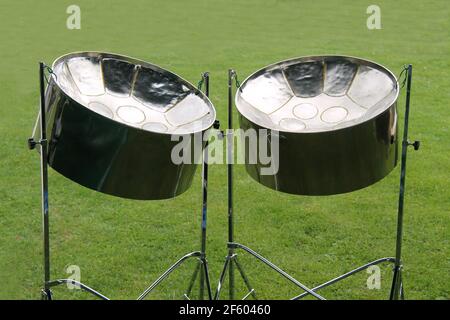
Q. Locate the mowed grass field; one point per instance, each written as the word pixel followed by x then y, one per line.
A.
pixel 121 245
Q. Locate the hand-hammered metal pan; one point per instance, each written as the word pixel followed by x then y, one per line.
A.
pixel 335 117
pixel 110 120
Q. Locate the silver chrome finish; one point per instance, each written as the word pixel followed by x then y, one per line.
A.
pixel 195 254
pixel 251 291
pixel 397 291
pixel 336 120
pixel 79 284
pixel 110 123
pixel 43 142
pixel 346 275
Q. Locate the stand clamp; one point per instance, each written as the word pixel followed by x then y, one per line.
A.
pixel 415 144
pixel 32 143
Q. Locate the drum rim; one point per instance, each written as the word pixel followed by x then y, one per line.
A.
pixel 315 58
pixel 145 64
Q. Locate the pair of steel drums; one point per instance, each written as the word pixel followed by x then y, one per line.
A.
pixel 111 121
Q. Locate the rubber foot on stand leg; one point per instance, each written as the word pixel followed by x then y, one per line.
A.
pixel 46 294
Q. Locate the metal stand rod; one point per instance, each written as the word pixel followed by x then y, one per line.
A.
pixel 86 288
pixel 203 273
pixel 230 158
pixel 231 259
pixel 46 293
pixel 202 266
pixel 276 268
pixel 195 254
pixel 346 275
pixel 397 284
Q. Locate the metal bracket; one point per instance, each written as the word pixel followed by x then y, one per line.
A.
pixel 216 126
pixel 232 245
pixel 399 267
pixel 415 144
pixel 32 143
pixel 234 76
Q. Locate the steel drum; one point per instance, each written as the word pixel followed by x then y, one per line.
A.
pixel 110 120
pixel 335 119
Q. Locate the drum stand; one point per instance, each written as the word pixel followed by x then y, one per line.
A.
pixel 397 291
pixel 202 266
pixel 46 293
pixel 232 258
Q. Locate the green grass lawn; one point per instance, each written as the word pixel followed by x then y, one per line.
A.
pixel 122 245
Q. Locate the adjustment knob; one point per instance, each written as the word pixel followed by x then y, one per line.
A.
pixel 31 143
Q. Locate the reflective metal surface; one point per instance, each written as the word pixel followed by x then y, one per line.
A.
pixel 110 123
pixel 335 117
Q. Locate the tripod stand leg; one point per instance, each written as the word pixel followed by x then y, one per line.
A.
pixel 167 273
pixel 80 285
pixel 251 290
pixel 202 282
pixel 397 285
pixel 194 277
pixel 46 294
pixel 205 280
pixel 277 269
pixel 231 280
pixel 222 276
pixel 402 292
pixel 230 259
pixel 202 269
